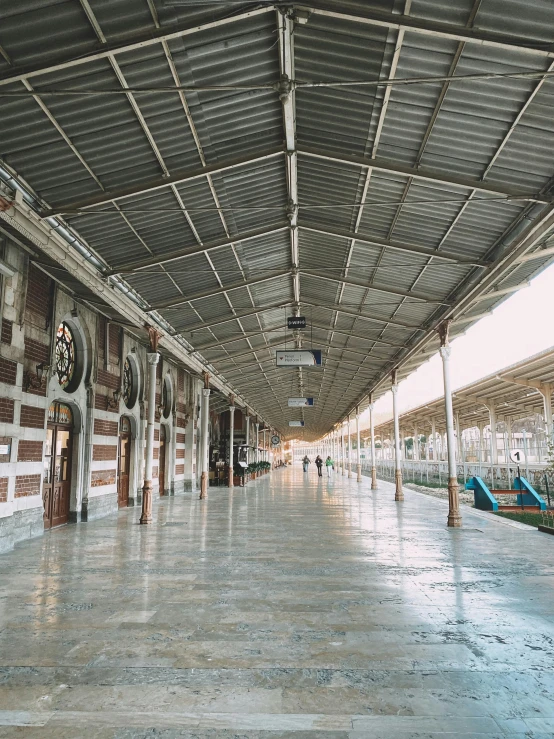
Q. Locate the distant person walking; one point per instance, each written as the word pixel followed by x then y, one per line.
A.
pixel 319 465
pixel 330 466
pixel 305 463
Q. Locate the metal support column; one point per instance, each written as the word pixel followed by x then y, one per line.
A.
pixel 454 517
pixel 231 442
pixel 399 493
pixel 146 514
pixel 358 459
pixel 349 439
pixel 372 435
pixel 343 450
pixel 205 448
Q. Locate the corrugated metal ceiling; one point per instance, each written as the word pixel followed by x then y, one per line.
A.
pixel 369 234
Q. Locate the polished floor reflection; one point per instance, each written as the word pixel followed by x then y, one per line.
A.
pixel 292 609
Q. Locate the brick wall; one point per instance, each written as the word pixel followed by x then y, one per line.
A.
pixel 101 403
pixel 108 379
pixel 114 343
pixel 180 380
pixel 27 485
pixel 180 422
pixel 6 333
pixel 3 489
pixel 103 477
pixel 32 417
pixel 38 300
pixel 102 452
pixel 35 351
pixel 8 371
pixel 180 438
pixel 179 469
pixel 155 452
pixel 29 451
pixel 105 428
pixel 180 453
pixel 6 410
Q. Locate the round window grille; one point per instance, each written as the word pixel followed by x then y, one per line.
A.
pixel 65 355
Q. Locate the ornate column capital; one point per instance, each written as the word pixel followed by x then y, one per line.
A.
pixel 206 392
pixel 153 357
pixel 445 352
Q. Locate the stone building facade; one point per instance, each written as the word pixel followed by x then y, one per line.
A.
pixel 73 408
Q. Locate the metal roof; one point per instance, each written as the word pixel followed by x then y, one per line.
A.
pixel 514 392
pixel 375 166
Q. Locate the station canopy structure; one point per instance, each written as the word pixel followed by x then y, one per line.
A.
pixel 211 168
pixel 515 392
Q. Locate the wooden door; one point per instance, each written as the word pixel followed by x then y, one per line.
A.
pixel 161 460
pixel 124 465
pixel 56 490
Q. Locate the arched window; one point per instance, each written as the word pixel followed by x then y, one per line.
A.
pixel 129 383
pixel 65 355
pixel 166 397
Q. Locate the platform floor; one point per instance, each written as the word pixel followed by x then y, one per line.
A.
pixel 291 609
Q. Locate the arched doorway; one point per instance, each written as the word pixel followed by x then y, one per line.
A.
pixel 56 489
pixel 124 465
pixel 161 459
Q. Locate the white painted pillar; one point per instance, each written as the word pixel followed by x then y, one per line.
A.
pixel 434 439
pixel 231 442
pixel 399 493
pixel 416 444
pixel 358 459
pixel 349 447
pixel 454 517
pixel 547 399
pixel 494 439
pixel 146 514
pixel 343 450
pixel 205 446
pixel 372 435
pixel 257 453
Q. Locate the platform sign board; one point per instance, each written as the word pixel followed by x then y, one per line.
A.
pixel 275 440
pixel 516 455
pixel 300 402
pixel 297 357
pixel 296 423
pixel 296 322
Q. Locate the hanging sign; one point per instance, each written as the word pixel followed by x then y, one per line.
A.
pixel 296 322
pixel 275 440
pixel 297 357
pixel 296 423
pixel 300 402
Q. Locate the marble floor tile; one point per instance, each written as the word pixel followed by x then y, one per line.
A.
pixel 290 609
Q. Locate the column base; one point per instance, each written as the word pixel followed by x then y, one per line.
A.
pixel 146 515
pixel 399 493
pixel 349 470
pixel 204 485
pixel 454 516
pixel 358 472
pixel 373 478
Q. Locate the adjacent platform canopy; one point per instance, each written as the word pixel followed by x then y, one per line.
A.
pixel 374 166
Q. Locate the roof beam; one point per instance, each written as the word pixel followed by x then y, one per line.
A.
pixel 502 291
pixel 285 27
pixel 158 259
pixel 175 302
pixel 149 39
pixel 251 350
pixel 335 330
pixel 108 197
pixel 540 254
pixel 432 28
pixel 384 243
pixel 382 165
pixel 378 288
pixel 239 314
pixel 365 317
